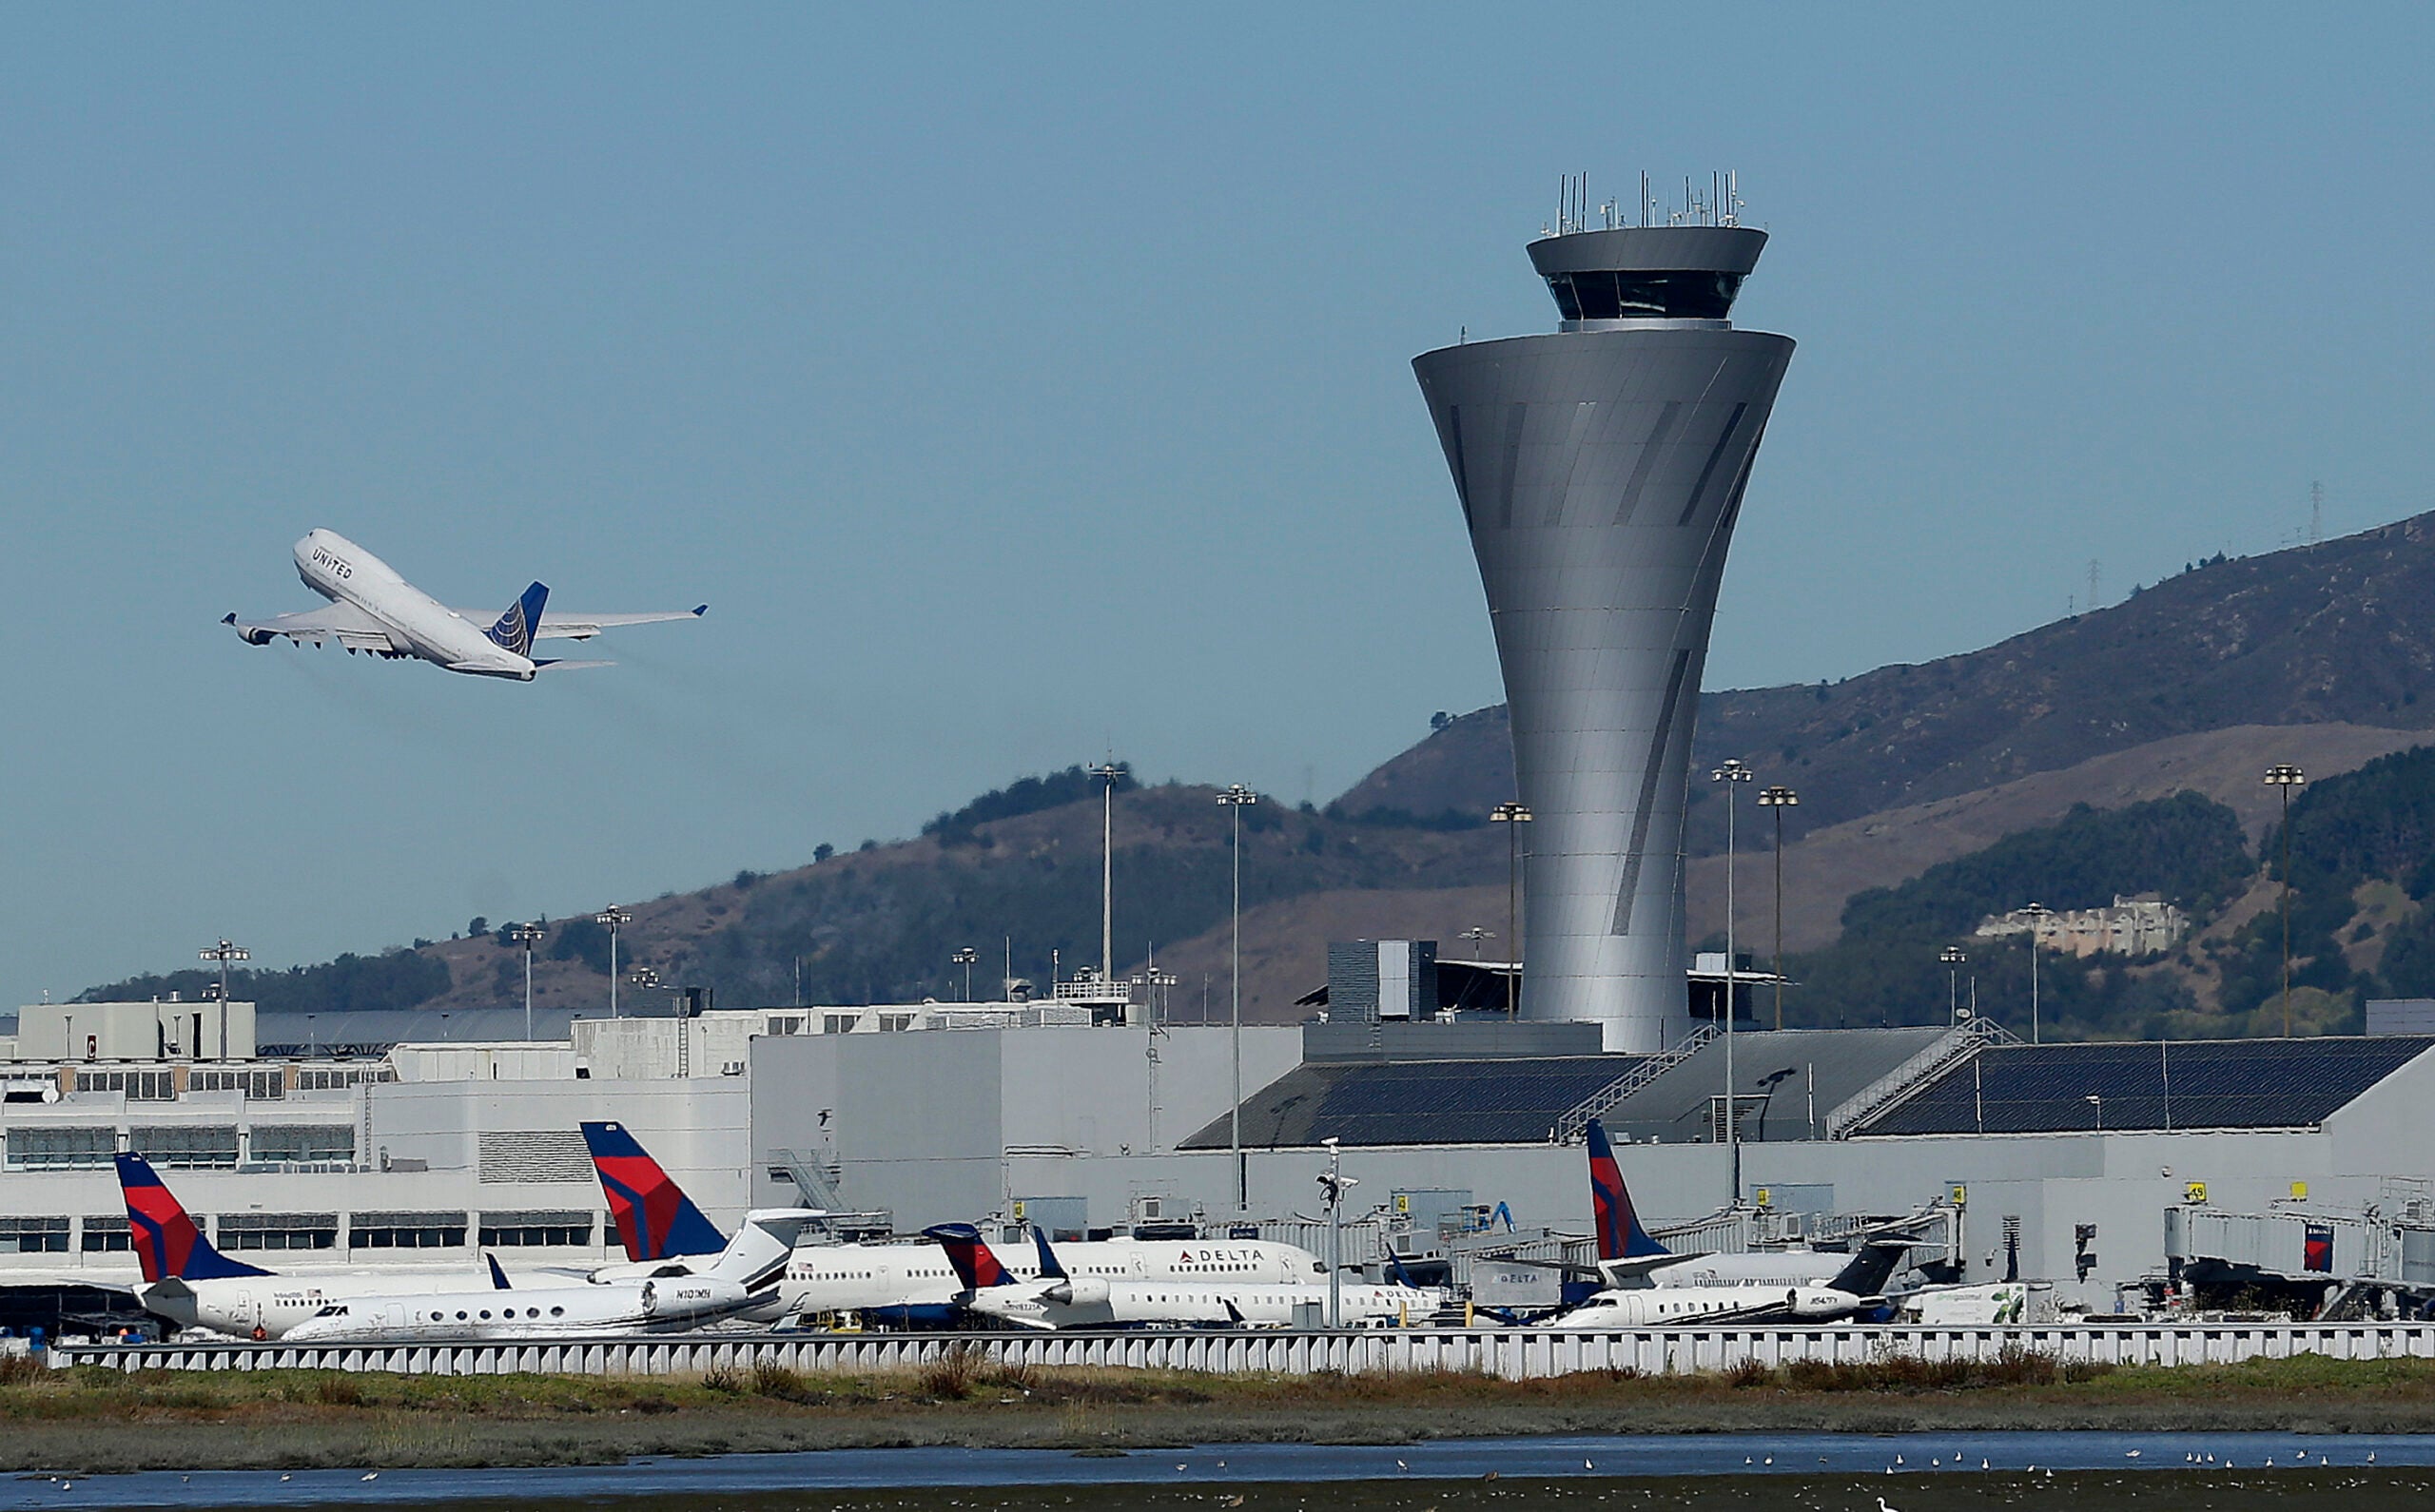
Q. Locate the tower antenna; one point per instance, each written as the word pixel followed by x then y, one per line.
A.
pixel 2316 512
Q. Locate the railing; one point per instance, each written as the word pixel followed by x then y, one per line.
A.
pixel 1955 1044
pixel 1508 1353
pixel 1576 1118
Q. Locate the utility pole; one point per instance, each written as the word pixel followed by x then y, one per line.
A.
pixel 1108 775
pixel 528 936
pixel 223 953
pixel 1777 797
pixel 615 918
pixel 1733 774
pixel 1512 814
pixel 1236 796
pixel 1332 1186
pixel 2283 777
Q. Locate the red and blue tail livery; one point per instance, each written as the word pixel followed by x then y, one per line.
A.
pixel 1620 1235
pixel 166 1242
pixel 655 1220
pixel 976 1264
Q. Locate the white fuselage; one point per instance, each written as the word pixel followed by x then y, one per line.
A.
pixel 1778 1268
pixel 1088 1303
pixel 861 1278
pixel 657 1305
pixel 270 1306
pixel 418 624
pixel 1673 1307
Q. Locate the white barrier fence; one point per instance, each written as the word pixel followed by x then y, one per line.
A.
pixel 1513 1354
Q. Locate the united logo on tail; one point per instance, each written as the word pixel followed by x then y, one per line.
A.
pixel 655 1220
pixel 515 629
pixel 1620 1235
pixel 167 1244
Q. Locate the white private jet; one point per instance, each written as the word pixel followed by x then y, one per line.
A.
pixel 742 1276
pixel 374 610
pixel 194 1285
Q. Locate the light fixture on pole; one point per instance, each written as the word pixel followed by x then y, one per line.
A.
pixel 1952 960
pixel 528 936
pixel 965 957
pixel 1777 797
pixel 1512 815
pixel 2283 777
pixel 645 978
pixel 1108 774
pixel 223 953
pixel 1733 774
pixel 1236 796
pixel 1475 935
pixel 2037 914
pixel 2098 1101
pixel 615 918
pixel 1332 1186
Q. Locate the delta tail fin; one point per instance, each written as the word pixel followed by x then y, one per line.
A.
pixel 976 1264
pixel 1050 1268
pixel 1620 1235
pixel 515 629
pixel 166 1242
pixel 655 1220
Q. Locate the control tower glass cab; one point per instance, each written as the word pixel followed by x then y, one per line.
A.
pixel 1600 471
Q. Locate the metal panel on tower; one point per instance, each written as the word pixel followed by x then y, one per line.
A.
pixel 1600 471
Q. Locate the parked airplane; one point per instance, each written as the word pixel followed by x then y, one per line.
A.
pixel 742 1277
pixel 1053 1298
pixel 895 1285
pixel 194 1285
pixel 1629 1256
pixel 374 610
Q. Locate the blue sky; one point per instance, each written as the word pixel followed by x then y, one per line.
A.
pixel 1018 386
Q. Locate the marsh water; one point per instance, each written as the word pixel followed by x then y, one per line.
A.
pixel 2160 1472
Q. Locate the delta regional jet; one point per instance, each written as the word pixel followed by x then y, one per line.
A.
pixel 374 610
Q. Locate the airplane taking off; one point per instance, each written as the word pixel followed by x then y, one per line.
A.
pixel 374 610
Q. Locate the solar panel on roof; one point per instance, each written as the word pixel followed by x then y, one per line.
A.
pixel 2175 1084
pixel 1499 1101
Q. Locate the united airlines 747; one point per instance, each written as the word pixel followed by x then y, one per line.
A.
pixel 374 610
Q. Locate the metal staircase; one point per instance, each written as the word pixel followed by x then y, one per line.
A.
pixel 1955 1045
pixel 1576 1118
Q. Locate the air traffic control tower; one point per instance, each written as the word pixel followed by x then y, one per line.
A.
pixel 1600 471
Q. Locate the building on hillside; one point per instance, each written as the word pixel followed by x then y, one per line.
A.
pixel 2132 926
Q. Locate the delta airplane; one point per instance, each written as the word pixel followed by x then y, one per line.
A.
pixel 1628 1256
pixel 1055 1299
pixel 194 1285
pixel 734 1283
pixel 897 1284
pixel 374 610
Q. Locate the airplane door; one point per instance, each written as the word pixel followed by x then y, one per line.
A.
pixel 394 1316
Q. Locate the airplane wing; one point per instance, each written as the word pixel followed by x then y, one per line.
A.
pixel 584 627
pixel 343 623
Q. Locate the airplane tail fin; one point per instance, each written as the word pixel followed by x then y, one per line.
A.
pixel 1872 1268
pixel 655 1220
pixel 515 629
pixel 498 1277
pixel 1050 1269
pixel 764 1242
pixel 976 1264
pixel 167 1241
pixel 1620 1235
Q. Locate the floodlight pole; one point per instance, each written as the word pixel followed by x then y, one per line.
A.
pixel 223 953
pixel 1732 773
pixel 965 957
pixel 528 936
pixel 1777 797
pixel 615 918
pixel 1512 814
pixel 1952 958
pixel 2035 912
pixel 1234 797
pixel 2283 777
pixel 1107 774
